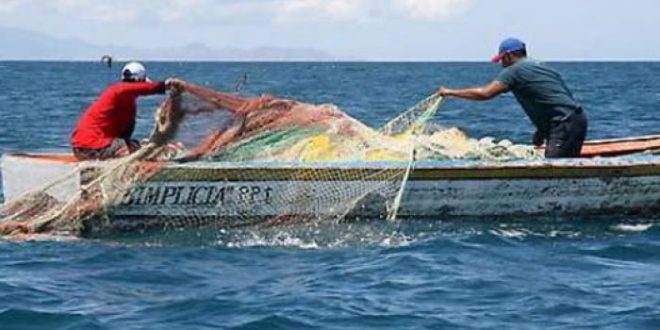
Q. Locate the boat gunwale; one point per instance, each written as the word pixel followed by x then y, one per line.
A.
pixel 640 166
pixel 418 174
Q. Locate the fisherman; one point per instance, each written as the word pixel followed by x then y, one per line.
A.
pixel 559 119
pixel 105 130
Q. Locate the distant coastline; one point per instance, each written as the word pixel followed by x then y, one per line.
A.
pixel 22 45
pixel 27 46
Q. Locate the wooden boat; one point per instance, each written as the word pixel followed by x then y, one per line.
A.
pixel 226 192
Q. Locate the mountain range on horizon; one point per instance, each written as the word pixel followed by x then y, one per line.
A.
pixel 33 46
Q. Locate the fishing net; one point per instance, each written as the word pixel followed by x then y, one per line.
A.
pixel 215 158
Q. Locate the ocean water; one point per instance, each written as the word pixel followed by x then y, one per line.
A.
pixel 469 273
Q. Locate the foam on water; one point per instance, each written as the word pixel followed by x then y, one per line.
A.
pixel 385 234
pixel 633 228
pixel 320 236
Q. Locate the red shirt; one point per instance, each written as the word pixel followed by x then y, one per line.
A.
pixel 113 115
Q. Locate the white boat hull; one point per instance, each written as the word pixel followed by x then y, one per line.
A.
pixel 230 194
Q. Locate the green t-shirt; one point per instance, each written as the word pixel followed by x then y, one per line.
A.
pixel 540 90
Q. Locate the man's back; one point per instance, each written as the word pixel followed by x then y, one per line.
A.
pixel 540 90
pixel 112 115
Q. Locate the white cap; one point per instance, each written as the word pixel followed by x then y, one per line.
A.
pixel 134 71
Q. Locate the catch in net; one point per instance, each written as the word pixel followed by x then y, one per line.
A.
pixel 196 125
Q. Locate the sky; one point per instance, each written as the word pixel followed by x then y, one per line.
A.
pixel 433 30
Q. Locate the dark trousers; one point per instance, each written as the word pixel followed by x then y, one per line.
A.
pixel 567 134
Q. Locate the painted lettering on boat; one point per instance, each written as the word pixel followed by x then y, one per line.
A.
pixel 193 194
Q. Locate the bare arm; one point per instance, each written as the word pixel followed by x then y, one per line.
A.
pixel 484 93
pixel 144 88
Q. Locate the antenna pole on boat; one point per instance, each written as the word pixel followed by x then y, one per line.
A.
pixel 240 86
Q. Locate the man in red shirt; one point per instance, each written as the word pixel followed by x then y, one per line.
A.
pixel 105 129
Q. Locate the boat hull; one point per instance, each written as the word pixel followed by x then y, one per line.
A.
pixel 233 194
pixel 422 198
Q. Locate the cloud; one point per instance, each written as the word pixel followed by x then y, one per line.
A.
pixel 363 10
pixel 338 10
pixel 432 9
pixel 173 10
pixel 267 11
pixel 98 10
pixel 7 6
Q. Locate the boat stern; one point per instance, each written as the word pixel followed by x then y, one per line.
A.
pixel 55 174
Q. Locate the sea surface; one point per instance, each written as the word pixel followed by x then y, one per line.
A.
pixel 475 273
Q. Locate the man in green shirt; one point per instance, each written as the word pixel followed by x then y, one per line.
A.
pixel 559 119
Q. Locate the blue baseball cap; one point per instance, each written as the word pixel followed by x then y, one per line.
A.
pixel 507 46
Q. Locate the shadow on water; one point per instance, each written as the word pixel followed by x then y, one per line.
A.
pixel 382 233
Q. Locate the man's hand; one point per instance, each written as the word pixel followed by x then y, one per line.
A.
pixel 538 139
pixel 444 92
pixel 171 83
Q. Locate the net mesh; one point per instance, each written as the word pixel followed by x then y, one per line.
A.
pixel 214 158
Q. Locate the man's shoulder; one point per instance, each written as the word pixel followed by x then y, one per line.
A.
pixel 509 75
pixel 518 72
pixel 110 91
pixel 129 88
pixel 117 87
